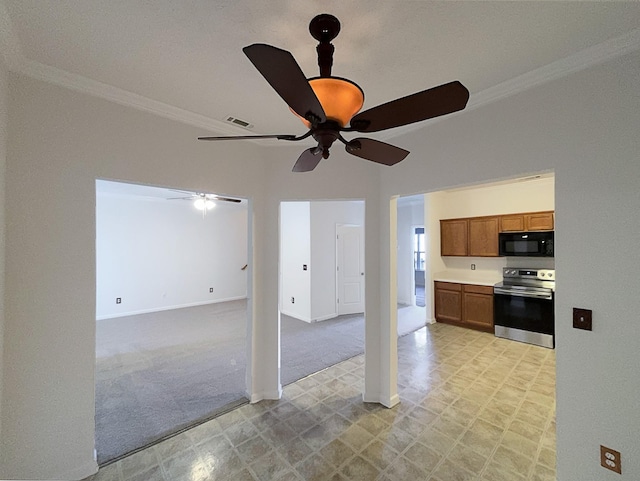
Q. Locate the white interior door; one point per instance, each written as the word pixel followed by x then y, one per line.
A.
pixel 350 269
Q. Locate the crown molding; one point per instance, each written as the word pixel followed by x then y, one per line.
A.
pixel 596 54
pixel 16 62
pixel 120 96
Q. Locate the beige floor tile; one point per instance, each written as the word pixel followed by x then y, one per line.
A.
pixel 512 460
pixel 359 469
pixel 497 472
pixel 453 472
pixel 547 457
pixel 542 473
pixel 423 457
pixel 461 455
pixel 473 407
pixel 402 468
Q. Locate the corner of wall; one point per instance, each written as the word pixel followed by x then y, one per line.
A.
pixel 4 100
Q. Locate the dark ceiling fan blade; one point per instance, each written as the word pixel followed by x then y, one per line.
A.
pixel 437 101
pixel 376 151
pixel 226 199
pixel 283 73
pixel 308 160
pixel 243 137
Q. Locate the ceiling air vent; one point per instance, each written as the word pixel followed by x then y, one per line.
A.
pixel 241 123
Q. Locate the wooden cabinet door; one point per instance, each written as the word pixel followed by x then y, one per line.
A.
pixel 477 302
pixel 483 236
pixel 512 223
pixel 539 221
pixel 448 302
pixel 453 237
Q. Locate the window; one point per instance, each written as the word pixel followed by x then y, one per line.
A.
pixel 418 249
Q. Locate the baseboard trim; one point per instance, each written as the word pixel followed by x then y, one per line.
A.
pixel 261 396
pixel 386 401
pixel 168 308
pixel 295 316
pixel 325 318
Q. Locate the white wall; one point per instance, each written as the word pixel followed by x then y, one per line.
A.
pixel 295 251
pixel 59 143
pixel 325 215
pixel 585 128
pixel 156 254
pixel 307 236
pixel 4 107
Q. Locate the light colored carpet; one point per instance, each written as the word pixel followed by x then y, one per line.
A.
pixel 158 373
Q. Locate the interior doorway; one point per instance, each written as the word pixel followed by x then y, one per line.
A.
pixel 419 265
pixel 171 312
pixel 412 263
pixel 321 285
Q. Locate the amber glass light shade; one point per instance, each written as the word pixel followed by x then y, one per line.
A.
pixel 341 99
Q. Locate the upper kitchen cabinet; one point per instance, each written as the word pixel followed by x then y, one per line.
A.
pixel 533 221
pixel 478 236
pixel 483 236
pixel 453 237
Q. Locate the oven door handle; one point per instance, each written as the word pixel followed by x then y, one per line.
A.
pixel 534 295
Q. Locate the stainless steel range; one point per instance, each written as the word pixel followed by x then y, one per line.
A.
pixel 524 305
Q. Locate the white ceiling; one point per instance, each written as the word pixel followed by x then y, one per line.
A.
pixel 183 59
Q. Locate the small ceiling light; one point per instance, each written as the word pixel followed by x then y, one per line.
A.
pixel 204 204
pixel 340 98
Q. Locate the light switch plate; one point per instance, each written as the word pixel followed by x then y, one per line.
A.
pixel 582 319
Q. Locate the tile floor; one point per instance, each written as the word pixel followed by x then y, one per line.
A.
pixel 473 407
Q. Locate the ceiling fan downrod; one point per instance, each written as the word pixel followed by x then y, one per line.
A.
pixel 324 28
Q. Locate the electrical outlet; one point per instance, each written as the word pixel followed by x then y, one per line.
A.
pixel 293 300
pixel 610 459
pixel 473 267
pixel 211 289
pixel 118 300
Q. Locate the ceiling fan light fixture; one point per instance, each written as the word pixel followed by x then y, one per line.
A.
pixel 340 98
pixel 204 204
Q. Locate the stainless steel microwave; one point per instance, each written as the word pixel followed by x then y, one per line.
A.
pixel 526 244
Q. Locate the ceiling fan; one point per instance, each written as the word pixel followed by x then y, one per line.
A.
pixel 203 201
pixel 327 104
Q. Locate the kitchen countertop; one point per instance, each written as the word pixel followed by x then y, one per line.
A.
pixel 481 278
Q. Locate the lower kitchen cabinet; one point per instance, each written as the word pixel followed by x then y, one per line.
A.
pixel 466 305
pixel 448 302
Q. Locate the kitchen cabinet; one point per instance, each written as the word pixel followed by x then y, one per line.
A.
pixel 483 236
pixel 478 236
pixel 448 298
pixel 532 221
pixel 477 307
pixel 453 237
pixel 465 305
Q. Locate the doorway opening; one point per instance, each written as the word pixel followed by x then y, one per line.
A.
pixel 321 285
pixel 511 374
pixel 419 264
pixel 171 312
pixel 412 263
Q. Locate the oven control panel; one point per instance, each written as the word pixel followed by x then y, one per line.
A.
pixel 522 273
